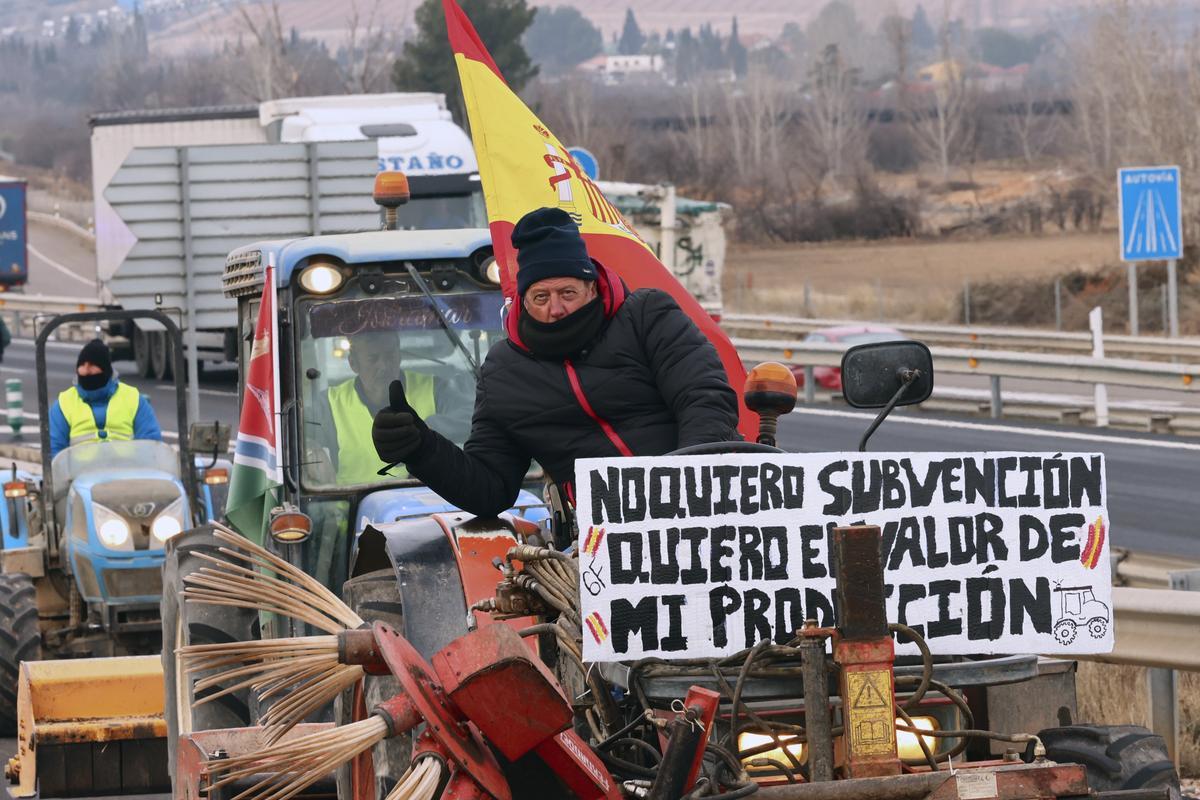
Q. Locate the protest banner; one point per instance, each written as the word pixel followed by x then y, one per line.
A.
pixel 703 556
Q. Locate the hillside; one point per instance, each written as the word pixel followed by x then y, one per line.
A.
pixel 206 24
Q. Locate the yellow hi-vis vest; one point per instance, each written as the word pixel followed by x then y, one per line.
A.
pixel 118 420
pixel 357 460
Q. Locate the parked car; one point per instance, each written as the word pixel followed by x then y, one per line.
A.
pixel 831 377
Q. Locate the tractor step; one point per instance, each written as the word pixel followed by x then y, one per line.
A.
pixel 88 727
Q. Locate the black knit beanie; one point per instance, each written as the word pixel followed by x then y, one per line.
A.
pixel 96 353
pixel 549 246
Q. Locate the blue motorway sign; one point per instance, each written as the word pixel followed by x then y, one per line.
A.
pixel 1151 213
pixel 586 161
pixel 12 232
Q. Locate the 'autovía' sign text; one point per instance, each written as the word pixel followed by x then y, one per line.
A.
pixel 700 556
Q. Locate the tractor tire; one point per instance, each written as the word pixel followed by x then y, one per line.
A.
pixel 20 640
pixel 1116 756
pixel 196 623
pixel 375 598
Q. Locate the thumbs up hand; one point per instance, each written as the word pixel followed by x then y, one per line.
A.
pixel 397 432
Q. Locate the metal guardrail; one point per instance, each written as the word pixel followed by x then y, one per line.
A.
pixel 755 325
pixel 1151 416
pixel 1155 628
pixel 997 363
pixel 1136 570
pixel 23 313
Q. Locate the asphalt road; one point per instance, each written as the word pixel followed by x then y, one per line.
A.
pixel 61 263
pixel 218 398
pixel 1152 500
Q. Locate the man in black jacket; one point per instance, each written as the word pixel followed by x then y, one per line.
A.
pixel 588 370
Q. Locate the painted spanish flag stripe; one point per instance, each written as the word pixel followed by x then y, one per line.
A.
pixel 592 544
pixel 523 166
pixel 597 627
pixel 1095 544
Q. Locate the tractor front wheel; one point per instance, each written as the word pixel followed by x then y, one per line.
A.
pixel 375 597
pixel 1117 757
pixel 197 623
pixel 20 640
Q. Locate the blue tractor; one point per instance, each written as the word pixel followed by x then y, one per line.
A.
pixel 422 303
pixel 84 542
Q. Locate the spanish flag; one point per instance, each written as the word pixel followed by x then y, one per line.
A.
pixel 523 166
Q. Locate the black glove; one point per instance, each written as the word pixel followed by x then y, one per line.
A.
pixel 398 433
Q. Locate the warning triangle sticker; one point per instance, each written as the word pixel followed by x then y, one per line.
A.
pixel 869 696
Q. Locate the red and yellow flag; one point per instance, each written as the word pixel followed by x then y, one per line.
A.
pixel 1090 556
pixel 523 166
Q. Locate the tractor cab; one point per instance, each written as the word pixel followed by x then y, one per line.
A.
pixel 358 311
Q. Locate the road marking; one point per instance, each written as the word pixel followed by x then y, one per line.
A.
pixel 65 270
pixel 979 426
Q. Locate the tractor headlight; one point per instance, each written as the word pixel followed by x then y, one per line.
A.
pixel 907 745
pixel 321 279
pixel 111 528
pixel 489 270
pixel 748 740
pixel 169 521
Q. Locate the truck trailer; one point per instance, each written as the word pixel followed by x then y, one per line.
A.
pixel 177 189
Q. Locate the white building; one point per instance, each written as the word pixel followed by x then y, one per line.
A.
pixel 617 69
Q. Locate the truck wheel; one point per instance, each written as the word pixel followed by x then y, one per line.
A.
pixel 196 623
pixel 141 352
pixel 1116 756
pixel 160 355
pixel 20 640
pixel 375 598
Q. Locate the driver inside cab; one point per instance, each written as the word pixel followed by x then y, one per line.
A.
pixel 351 406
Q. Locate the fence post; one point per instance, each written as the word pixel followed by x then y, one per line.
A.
pixel 1173 298
pixel 810 385
pixel 966 301
pixel 15 405
pixel 1058 304
pixel 808 311
pixel 1162 684
pixel 1166 323
pixel 1096 323
pixel 997 400
pixel 1131 269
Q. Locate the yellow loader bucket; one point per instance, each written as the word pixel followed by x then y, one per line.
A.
pixel 90 727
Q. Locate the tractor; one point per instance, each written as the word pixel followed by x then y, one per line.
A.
pixel 84 543
pixel 432 297
pixel 470 712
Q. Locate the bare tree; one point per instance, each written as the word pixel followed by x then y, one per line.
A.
pixel 1136 94
pixel 1031 121
pixel 278 64
pixel 365 62
pixel 943 119
pixel 834 120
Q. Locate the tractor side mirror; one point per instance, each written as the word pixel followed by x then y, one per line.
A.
pixel 873 374
pixel 208 437
pixel 885 375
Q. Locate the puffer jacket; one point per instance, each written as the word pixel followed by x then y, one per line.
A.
pixel 649 383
